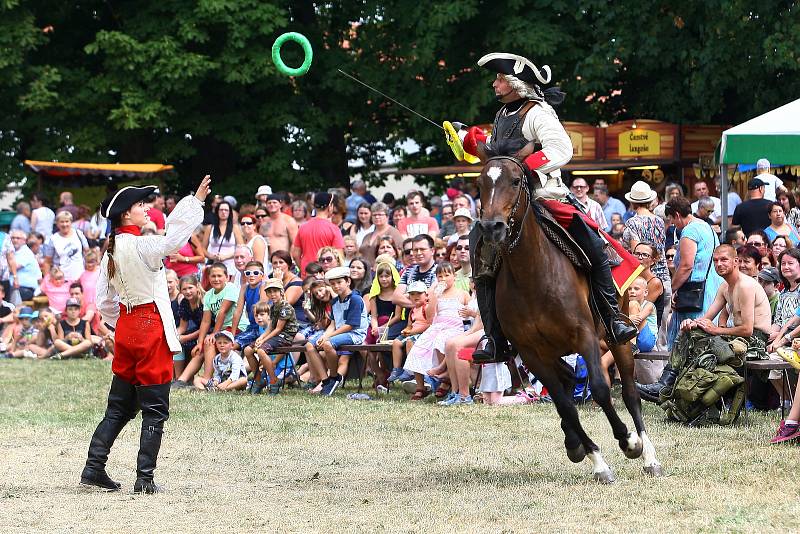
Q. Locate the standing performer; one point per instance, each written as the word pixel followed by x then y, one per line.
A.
pixel 133 301
pixel 528 127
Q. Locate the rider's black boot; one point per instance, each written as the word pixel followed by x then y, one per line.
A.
pixel 122 407
pixel 496 348
pixel 603 289
pixel 154 401
pixel 652 392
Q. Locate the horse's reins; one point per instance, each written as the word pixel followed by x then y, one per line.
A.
pixel 512 222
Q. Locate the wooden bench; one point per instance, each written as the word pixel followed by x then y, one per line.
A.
pixel 355 349
pixel 653 355
pixel 769 365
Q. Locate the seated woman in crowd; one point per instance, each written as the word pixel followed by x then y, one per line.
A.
pixel 779 226
pixel 252 239
pixel 66 248
pixel 369 247
pixel 284 269
pixel 221 237
pixel 361 277
pixel 300 212
pixel 363 225
pixel 329 257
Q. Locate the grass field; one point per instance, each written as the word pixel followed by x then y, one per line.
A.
pixel 305 464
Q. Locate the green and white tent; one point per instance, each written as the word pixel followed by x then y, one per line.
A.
pixel 774 135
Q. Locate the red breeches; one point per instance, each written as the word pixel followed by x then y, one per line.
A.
pixel 141 354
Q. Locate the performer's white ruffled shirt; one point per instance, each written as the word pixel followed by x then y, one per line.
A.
pixel 140 274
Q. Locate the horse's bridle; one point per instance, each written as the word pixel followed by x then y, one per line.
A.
pixel 515 224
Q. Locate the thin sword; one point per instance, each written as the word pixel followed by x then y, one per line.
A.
pixel 390 98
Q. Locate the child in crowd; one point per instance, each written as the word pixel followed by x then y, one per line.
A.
pixel 280 332
pixel 418 322
pixel 495 380
pixel 444 306
pixel 383 314
pixel 24 336
pixel 315 269
pixel 249 294
pixel 73 335
pixel 190 315
pixel 642 313
pixel 218 307
pixel 261 316
pixel 229 373
pixel 348 327
pixel 89 277
pixel 317 307
pixel 56 288
pixel 350 250
pixel 47 334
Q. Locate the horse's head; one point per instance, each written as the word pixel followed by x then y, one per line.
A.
pixel 503 188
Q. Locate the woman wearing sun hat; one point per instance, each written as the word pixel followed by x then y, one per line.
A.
pixel 133 301
pixel 647 227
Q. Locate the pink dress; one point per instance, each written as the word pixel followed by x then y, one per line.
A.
pixel 446 325
pixel 88 282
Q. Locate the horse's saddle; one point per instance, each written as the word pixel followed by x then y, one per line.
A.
pixel 559 236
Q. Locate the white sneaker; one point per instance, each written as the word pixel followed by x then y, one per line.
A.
pixel 29 354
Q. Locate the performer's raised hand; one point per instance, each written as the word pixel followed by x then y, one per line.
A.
pixel 204 188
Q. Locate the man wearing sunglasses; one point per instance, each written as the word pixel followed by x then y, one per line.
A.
pixel 423 270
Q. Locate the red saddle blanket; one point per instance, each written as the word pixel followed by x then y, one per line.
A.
pixel 624 273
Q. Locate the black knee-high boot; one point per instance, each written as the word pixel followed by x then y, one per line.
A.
pixel 496 347
pixel 603 289
pixel 154 403
pixel 122 407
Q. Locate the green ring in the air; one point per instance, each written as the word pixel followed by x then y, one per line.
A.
pixel 307 53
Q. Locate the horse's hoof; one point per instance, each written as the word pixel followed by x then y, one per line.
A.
pixel 577 454
pixel 604 477
pixel 633 453
pixel 654 470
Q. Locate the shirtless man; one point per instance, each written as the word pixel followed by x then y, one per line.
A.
pixel 746 300
pixel 279 229
pixel 744 297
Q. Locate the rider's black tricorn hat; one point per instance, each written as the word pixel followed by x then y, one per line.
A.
pixel 119 202
pixel 517 66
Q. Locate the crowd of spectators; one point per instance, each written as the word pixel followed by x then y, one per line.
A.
pixel 341 268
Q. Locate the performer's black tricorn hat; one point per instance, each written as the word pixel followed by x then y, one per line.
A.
pixel 517 66
pixel 119 202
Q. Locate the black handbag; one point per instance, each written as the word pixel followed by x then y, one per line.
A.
pixel 689 297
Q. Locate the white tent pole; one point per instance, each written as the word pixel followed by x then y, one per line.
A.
pixel 723 181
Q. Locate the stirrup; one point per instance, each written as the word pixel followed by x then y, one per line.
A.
pixel 483 355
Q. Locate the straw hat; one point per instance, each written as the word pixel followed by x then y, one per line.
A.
pixel 640 193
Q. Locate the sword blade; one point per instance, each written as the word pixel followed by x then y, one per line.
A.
pixel 421 116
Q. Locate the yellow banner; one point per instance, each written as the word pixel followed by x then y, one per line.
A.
pixel 577 143
pixel 639 142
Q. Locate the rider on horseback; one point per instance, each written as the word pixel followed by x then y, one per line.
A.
pixel 528 126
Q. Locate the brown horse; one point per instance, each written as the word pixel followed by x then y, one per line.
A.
pixel 542 302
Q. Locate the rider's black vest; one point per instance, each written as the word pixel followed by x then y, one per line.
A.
pixel 509 126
